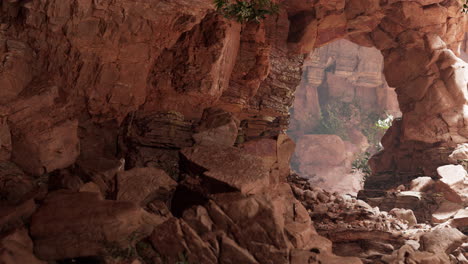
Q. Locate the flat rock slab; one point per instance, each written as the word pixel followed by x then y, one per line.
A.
pixel 451 174
pixel 71 225
pixel 452 183
pixel 174 238
pixel 445 211
pixel 229 165
pixel 404 214
pixel 461 218
pixel 421 184
pixel 442 240
pixel 142 185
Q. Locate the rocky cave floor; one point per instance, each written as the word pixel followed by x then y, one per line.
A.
pixel 214 216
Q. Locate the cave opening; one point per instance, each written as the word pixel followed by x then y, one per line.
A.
pixel 342 108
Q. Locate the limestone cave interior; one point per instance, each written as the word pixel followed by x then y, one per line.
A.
pixel 233 131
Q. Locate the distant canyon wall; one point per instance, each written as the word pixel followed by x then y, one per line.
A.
pixel 345 80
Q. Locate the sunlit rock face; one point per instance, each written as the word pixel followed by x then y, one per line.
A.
pixel 344 88
pixel 420 42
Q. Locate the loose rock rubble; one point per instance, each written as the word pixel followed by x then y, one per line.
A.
pixel 375 236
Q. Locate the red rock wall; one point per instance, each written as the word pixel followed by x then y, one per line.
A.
pixel 91 91
pixel 71 70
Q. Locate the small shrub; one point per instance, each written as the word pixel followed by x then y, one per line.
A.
pixel 244 11
pixel 334 118
pixel 361 164
pixel 386 123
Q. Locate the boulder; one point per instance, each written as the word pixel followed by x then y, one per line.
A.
pixel 17 247
pixel 229 166
pixel 421 184
pixel 15 215
pixel 405 215
pixel 276 154
pixel 73 224
pixel 451 174
pixel 321 149
pixel 16 69
pixel 64 179
pixel 445 211
pixel 308 257
pixel 39 152
pixel 90 187
pixel 407 254
pixel 174 240
pixel 232 253
pixel 217 127
pixel 265 148
pixel 460 153
pixel 142 185
pixel 197 217
pixel 101 171
pixel 5 140
pixel 15 185
pixel 460 219
pixel 420 203
pixel 452 183
pixel 442 240
pixel 326 160
pixel 266 224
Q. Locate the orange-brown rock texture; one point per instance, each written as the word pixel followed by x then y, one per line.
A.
pixel 154 131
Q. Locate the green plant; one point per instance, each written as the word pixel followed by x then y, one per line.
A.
pixel 334 118
pixel 246 10
pixel 386 123
pixel 361 164
pixel 465 6
pixel 374 128
pixel 331 125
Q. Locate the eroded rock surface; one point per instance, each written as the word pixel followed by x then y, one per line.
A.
pixel 71 225
pixel 94 92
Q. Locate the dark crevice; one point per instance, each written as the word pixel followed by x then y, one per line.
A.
pixel 184 198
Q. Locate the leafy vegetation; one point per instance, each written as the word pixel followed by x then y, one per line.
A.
pixel 465 6
pixel 244 11
pixel 339 118
pixel 361 164
pixel 374 134
pixel 334 118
